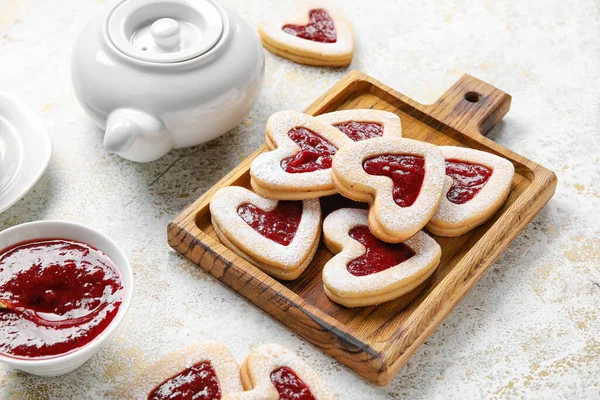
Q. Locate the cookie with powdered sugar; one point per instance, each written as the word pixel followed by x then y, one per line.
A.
pixel 367 271
pixel 272 372
pixel 362 124
pixel 317 34
pixel 401 179
pixel 477 184
pixel 298 165
pixel 204 371
pixel 279 237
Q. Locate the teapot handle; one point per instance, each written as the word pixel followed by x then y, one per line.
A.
pixel 136 135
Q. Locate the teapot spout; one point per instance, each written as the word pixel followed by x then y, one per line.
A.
pixel 120 134
pixel 136 136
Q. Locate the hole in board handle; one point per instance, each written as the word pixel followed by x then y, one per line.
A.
pixel 472 97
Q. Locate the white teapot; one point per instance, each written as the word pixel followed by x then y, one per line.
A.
pixel 165 74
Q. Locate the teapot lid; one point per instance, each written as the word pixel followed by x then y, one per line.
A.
pixel 165 31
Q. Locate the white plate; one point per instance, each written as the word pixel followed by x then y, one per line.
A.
pixel 25 150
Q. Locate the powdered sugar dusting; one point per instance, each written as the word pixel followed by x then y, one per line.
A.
pixel 223 208
pixel 266 169
pixel 335 273
pixel 221 360
pixel 398 222
pixel 450 215
pixel 271 31
pixel 315 152
pixel 279 225
pixel 180 385
pixel 266 358
pixel 321 27
pixel 468 180
pixel 392 126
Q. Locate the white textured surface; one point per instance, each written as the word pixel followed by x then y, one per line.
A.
pixel 530 328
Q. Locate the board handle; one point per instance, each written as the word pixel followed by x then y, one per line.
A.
pixel 471 106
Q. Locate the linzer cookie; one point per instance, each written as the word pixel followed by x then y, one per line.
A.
pixel 316 35
pixel 205 372
pixel 279 237
pixel 477 186
pixel 367 271
pixel 272 372
pixel 364 124
pixel 298 166
pixel 402 179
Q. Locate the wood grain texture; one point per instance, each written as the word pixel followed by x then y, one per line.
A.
pixel 376 341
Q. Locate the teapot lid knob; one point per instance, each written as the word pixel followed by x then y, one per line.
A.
pixel 166 33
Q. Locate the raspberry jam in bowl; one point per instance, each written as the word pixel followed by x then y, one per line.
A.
pixel 64 288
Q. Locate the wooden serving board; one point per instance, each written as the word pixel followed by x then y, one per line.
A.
pixel 376 341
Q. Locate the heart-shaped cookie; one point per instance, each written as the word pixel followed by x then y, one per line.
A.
pixel 477 185
pixel 298 166
pixel 367 271
pixel 272 372
pixel 316 35
pixel 364 124
pixel 205 372
pixel 280 238
pixel 402 179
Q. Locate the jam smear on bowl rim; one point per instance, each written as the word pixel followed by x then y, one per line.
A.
pixel 358 131
pixel 67 293
pixel 280 225
pixel 407 172
pixel 379 255
pixel 289 385
pixel 320 28
pixel 467 180
pixel 316 153
pixel 199 382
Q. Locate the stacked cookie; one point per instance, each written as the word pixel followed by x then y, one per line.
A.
pixel 298 165
pixel 209 372
pixel 477 184
pixel 409 185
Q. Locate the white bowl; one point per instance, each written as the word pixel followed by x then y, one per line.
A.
pixel 64 364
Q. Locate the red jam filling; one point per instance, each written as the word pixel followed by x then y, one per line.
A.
pixel 407 173
pixel 379 256
pixel 320 28
pixel 467 180
pixel 315 152
pixel 199 382
pixel 279 225
pixel 65 292
pixel 289 385
pixel 358 131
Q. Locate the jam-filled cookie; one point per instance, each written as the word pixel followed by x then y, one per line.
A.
pixel 317 35
pixel 205 372
pixel 477 186
pixel 272 372
pixel 298 166
pixel 364 124
pixel 279 237
pixel 402 179
pixel 367 271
